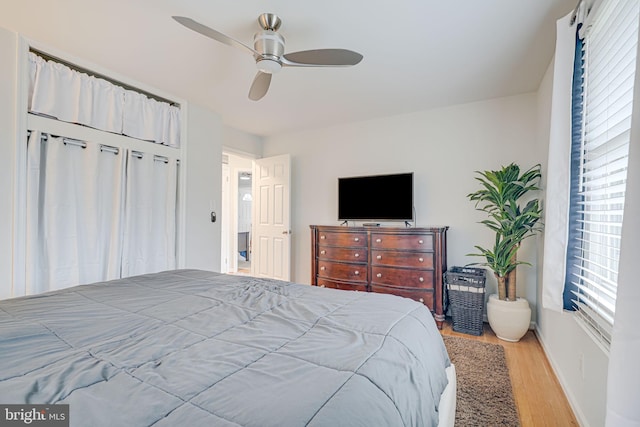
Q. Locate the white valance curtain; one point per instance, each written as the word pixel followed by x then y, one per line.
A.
pixel 96 213
pixel 68 95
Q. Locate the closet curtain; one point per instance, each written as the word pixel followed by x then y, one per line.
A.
pixel 74 213
pixel 150 214
pixel 94 214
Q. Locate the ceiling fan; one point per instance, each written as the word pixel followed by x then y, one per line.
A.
pixel 268 51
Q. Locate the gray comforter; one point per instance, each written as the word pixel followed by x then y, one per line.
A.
pixel 195 348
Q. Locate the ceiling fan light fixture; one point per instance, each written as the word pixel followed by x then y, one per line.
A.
pixel 268 51
pixel 268 65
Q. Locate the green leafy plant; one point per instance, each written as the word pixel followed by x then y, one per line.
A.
pixel 499 198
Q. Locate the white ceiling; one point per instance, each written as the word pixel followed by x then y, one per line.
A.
pixel 418 54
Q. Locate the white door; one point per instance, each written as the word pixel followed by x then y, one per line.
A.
pixel 272 223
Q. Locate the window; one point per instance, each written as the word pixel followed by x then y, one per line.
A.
pixel 610 47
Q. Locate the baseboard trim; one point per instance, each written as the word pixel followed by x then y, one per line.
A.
pixel 570 397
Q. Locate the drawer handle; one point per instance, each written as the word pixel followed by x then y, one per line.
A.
pixel 323 268
pixel 421 259
pixel 421 279
pixel 357 255
pixel 379 257
pixel 379 275
pixel 420 241
pixel 378 240
pixel 323 237
pixel 421 300
pixel 357 273
pixel 356 239
pixel 322 252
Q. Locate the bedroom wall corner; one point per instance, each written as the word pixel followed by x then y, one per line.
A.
pixel 8 129
pixel 203 189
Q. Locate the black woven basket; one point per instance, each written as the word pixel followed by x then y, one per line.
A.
pixel 466 291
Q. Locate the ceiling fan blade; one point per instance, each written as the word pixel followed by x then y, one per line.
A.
pixel 321 58
pixel 211 33
pixel 260 86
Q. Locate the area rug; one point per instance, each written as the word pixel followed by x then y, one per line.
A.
pixel 485 394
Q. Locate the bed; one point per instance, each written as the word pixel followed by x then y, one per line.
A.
pixel 198 348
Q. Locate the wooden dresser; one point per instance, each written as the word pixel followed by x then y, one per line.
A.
pixel 409 262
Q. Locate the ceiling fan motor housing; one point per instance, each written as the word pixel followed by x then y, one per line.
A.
pixel 271 46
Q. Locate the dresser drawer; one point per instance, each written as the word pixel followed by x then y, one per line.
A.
pixel 419 242
pixel 404 278
pixel 424 296
pixel 342 254
pixel 333 238
pixel 402 259
pixel 325 283
pixel 342 271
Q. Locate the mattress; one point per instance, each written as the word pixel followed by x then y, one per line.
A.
pixel 198 348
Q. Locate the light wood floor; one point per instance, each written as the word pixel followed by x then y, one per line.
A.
pixel 536 390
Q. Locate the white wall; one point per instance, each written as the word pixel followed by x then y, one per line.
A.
pixel 564 341
pixel 241 142
pixel 8 48
pixel 204 183
pixel 443 147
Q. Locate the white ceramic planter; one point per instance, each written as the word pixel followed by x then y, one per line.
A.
pixel 509 319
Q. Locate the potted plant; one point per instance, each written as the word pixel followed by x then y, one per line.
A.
pixel 500 198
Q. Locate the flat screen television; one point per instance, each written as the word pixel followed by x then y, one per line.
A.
pixel 376 198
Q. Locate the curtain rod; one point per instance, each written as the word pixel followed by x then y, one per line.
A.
pixel 162 159
pixel 48 57
pixel 109 149
pixel 70 141
pixel 66 141
pixel 76 142
pixel 156 157
pixel 103 147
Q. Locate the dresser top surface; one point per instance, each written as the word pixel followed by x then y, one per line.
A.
pixel 381 229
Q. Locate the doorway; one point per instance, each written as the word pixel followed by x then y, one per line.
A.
pixel 245 204
pixel 236 221
pixel 256 217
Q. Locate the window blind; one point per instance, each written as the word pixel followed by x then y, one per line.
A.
pixel 610 58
